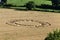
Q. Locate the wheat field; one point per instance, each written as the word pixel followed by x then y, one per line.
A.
pixel 25 19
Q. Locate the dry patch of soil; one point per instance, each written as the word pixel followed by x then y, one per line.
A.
pixel 27 25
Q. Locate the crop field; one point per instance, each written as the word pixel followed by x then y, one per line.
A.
pixel 17 24
pixel 27 25
pixel 23 2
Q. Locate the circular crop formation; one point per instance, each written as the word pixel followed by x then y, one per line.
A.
pixel 27 22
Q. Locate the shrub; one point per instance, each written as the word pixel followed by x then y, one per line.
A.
pixel 30 5
pixel 53 36
pixel 55 2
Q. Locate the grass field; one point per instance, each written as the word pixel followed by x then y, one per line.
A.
pixel 23 2
pixel 25 32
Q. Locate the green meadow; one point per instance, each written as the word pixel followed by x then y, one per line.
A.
pixel 23 2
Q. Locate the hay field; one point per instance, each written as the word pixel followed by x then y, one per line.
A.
pixel 24 32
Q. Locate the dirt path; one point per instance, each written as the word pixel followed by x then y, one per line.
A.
pixel 12 32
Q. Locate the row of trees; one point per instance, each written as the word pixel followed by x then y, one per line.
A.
pixel 31 4
pixel 54 2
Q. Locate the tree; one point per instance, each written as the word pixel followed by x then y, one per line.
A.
pixel 55 2
pixel 55 35
pixel 30 5
pixel 2 2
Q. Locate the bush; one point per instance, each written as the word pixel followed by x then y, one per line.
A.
pixel 7 6
pixel 53 36
pixel 55 2
pixel 30 5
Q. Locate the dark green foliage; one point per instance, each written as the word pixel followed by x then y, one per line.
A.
pixel 30 5
pixel 53 36
pixel 55 2
pixel 3 2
